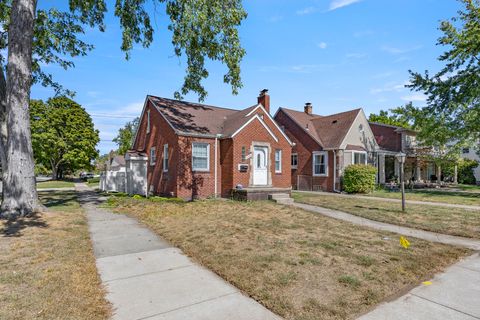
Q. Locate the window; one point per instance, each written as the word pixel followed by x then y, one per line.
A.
pixel 153 156
pixel 294 160
pixel 244 154
pixel 278 161
pixel 200 156
pixel 165 157
pixel 320 160
pixel 465 150
pixel 148 121
pixel 359 158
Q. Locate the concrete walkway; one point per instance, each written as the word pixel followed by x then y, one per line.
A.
pixel 454 294
pixel 147 278
pixel 427 203
pixel 405 231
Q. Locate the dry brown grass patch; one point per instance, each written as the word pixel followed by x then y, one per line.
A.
pixel 47 267
pixel 446 220
pixel 299 265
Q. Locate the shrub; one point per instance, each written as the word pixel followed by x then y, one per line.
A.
pixel 465 171
pixel 359 178
pixel 137 197
pixel 93 180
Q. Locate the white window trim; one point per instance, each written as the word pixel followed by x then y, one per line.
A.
pixel 353 156
pixel 148 121
pixel 153 159
pixel 165 159
pixel 294 166
pixel 280 161
pixel 208 157
pixel 325 153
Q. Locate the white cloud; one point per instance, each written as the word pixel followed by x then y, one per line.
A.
pixel 322 45
pixel 419 97
pixel 337 4
pixel 356 55
pixel 396 50
pixel 391 87
pixel 307 10
pixel 275 18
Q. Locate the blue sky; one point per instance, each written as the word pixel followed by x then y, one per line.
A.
pixel 337 54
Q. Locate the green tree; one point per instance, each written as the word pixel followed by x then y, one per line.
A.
pixel 201 29
pixel 63 135
pixel 390 118
pixel 125 136
pixel 453 103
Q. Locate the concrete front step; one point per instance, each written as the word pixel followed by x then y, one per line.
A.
pixel 281 198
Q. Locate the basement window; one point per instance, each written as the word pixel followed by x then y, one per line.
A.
pixel 294 160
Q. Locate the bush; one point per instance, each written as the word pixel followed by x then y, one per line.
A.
pixel 93 180
pixel 359 178
pixel 465 173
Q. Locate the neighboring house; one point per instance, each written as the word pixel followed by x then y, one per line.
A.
pixel 117 163
pixel 326 145
pixel 472 154
pixel 392 140
pixel 198 151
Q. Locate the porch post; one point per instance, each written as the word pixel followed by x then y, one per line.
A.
pixel 455 176
pixel 418 172
pixel 439 174
pixel 381 168
pixel 397 169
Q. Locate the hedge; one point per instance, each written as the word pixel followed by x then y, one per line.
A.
pixel 359 178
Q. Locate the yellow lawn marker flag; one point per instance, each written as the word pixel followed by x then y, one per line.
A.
pixel 404 242
pixel 427 283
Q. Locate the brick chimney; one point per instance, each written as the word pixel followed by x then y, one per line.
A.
pixel 308 108
pixel 264 99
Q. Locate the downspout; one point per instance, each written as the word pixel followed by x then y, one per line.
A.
pixel 216 161
pixel 335 171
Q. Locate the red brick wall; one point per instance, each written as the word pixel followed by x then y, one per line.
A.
pixel 256 132
pixel 386 137
pixel 194 185
pixel 161 133
pixel 304 146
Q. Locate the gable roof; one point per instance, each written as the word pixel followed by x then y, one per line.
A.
pixel 328 131
pixel 188 118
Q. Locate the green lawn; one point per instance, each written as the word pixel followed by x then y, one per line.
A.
pixel 300 265
pixel 55 184
pixel 453 221
pixel 466 195
pixel 47 266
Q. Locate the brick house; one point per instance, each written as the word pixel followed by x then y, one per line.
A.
pixel 391 141
pixel 198 151
pixel 325 145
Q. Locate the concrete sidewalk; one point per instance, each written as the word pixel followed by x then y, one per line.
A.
pixel 454 294
pixel 405 231
pixel 427 203
pixel 147 278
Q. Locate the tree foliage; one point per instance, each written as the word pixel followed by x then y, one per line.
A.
pixel 125 136
pixel 453 103
pixel 200 29
pixel 63 135
pixel 390 117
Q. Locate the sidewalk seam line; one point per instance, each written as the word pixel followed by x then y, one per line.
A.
pixel 149 273
pixel 183 307
pixel 445 306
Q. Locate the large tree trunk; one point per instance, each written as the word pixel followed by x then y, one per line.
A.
pixel 3 122
pixel 19 191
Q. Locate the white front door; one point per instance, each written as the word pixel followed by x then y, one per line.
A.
pixel 260 165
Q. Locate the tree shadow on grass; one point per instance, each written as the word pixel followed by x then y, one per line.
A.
pixel 58 198
pixel 14 228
